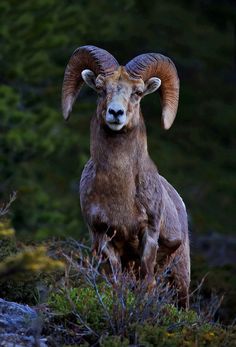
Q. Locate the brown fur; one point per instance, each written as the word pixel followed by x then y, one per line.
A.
pixel 123 196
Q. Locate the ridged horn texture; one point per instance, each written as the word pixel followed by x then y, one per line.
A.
pixel 150 65
pixel 86 57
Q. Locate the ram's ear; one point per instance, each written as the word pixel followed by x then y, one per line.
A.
pixel 151 85
pixel 89 78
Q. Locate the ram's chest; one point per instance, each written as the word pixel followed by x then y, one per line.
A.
pixel 112 206
pixel 110 202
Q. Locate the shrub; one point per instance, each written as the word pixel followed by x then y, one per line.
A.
pixel 118 310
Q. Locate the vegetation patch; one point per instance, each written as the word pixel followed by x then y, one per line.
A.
pixel 94 308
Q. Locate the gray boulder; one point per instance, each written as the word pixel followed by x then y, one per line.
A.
pixel 19 325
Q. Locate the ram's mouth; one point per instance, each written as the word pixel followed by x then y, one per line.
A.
pixel 115 122
pixel 116 126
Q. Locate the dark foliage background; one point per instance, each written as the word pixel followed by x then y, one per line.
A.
pixel 41 156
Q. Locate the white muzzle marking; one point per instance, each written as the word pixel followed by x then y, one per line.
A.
pixel 115 116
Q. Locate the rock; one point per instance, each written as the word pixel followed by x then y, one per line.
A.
pixel 19 326
pixel 17 340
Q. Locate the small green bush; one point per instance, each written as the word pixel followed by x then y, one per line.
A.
pixel 172 315
pixel 84 302
pixel 195 335
pixel 117 310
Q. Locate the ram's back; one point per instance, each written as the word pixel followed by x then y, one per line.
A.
pixel 176 221
pixel 175 210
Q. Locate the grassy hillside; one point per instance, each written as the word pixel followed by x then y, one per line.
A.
pixel 79 305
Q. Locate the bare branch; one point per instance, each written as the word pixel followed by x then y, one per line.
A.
pixel 4 209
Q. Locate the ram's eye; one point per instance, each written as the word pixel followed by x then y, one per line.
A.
pixel 138 93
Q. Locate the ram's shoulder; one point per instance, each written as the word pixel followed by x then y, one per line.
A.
pixel 88 174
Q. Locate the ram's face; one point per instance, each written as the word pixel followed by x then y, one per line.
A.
pixel 119 97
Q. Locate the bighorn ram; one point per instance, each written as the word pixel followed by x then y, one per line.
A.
pixel 121 193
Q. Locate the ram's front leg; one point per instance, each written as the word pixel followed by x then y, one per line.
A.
pixel 148 255
pixel 102 247
pixel 113 258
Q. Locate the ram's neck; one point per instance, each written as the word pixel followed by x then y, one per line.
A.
pixel 122 150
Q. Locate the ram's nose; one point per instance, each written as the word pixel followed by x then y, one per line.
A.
pixel 116 112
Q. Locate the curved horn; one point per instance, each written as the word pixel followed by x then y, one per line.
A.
pixel 86 57
pixel 157 65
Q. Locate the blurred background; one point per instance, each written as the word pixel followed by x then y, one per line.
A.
pixel 42 156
